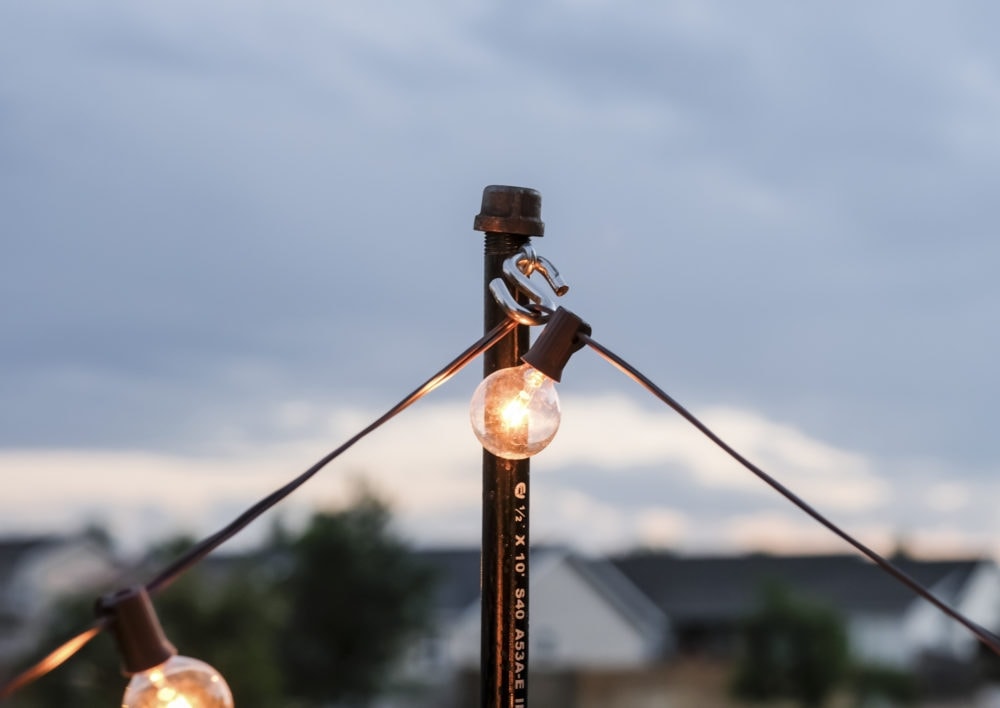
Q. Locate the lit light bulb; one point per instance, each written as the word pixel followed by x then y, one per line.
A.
pixel 179 682
pixel 515 412
pixel 160 678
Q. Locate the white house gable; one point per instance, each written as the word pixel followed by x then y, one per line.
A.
pixel 977 596
pixel 878 639
pixel 574 623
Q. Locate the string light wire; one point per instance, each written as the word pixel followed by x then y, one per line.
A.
pixel 989 639
pixel 54 659
pixel 201 549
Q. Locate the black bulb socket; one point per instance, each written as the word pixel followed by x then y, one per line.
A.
pixel 557 343
pixel 136 629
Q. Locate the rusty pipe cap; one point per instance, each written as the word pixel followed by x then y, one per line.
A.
pixel 511 210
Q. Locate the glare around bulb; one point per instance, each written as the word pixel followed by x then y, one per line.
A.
pixel 515 412
pixel 179 682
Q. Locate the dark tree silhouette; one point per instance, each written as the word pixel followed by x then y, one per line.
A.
pixel 357 596
pixel 792 649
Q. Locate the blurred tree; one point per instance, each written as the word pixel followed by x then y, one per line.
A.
pixel 357 595
pixel 884 686
pixel 792 649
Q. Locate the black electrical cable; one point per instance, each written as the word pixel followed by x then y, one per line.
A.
pixel 197 552
pixel 991 640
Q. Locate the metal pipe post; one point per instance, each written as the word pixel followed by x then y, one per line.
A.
pixel 509 217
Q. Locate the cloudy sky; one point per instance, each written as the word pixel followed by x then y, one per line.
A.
pixel 235 232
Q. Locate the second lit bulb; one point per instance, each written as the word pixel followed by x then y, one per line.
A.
pixel 179 682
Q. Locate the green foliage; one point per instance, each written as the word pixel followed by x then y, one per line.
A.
pixel 357 596
pixel 793 649
pixel 309 620
pixel 875 685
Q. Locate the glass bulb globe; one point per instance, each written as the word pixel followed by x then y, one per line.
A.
pixel 179 682
pixel 515 412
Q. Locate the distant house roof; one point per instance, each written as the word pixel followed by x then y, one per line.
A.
pixel 458 574
pixel 725 588
pixel 458 582
pixel 35 571
pixel 14 550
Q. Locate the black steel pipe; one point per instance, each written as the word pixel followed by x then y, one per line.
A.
pixel 509 216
